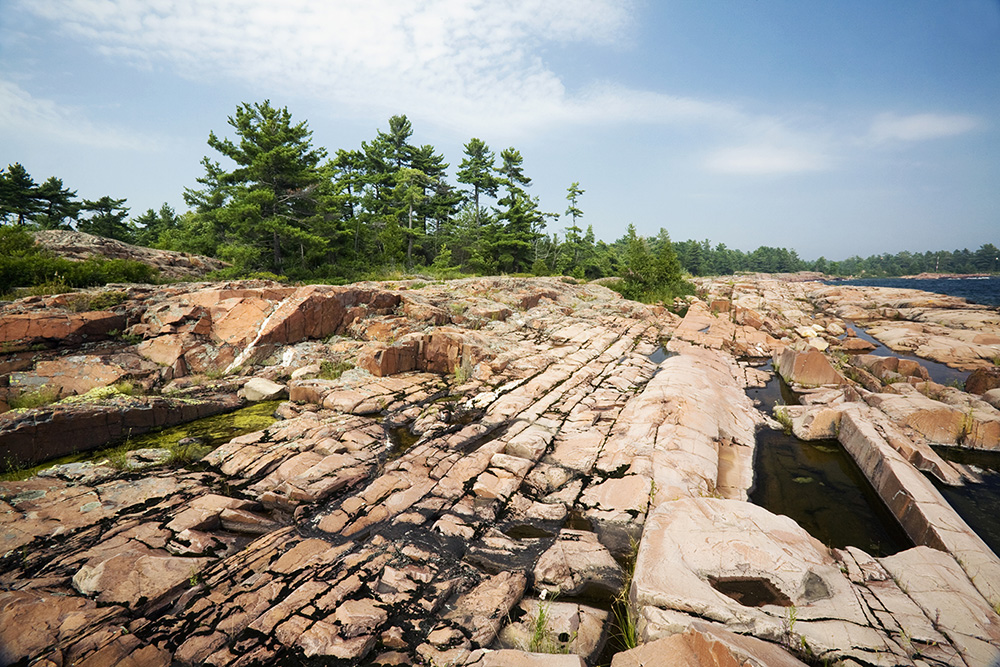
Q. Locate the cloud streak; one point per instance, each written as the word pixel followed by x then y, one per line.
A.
pixel 921 127
pixel 20 112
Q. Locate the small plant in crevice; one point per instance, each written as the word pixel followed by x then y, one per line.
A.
pixel 967 426
pixel 330 370
pixel 543 638
pixel 783 418
pixel 462 372
pixel 626 619
pixel 788 624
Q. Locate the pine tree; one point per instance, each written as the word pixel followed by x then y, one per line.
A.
pixel 276 200
pixel 107 219
pixel 56 205
pixel 477 171
pixel 151 225
pixel 18 194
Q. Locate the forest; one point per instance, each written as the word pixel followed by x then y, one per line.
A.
pixel 278 205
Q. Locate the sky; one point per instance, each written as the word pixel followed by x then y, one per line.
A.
pixel 833 128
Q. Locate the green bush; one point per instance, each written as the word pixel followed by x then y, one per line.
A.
pixel 40 269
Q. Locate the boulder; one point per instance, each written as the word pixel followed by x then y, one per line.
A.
pixel 34 619
pixel 809 369
pixel 483 609
pixel 992 397
pixel 982 380
pixel 33 436
pixel 135 577
pixel 856 345
pixel 260 389
pixel 704 645
pixel 57 328
pixel 547 626
pixel 936 421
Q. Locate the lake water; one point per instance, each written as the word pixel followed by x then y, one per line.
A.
pixel 978 504
pixel 985 291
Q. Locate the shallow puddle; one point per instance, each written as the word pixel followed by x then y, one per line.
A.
pixel 821 487
pixel 661 354
pixel 401 438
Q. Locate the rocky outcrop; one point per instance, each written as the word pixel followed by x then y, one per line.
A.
pixel 80 246
pixel 941 328
pixel 22 331
pixel 462 469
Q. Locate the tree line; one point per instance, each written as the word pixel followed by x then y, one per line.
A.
pixel 281 205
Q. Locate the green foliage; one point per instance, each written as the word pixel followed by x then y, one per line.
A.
pixel 80 303
pixel 44 395
pixel 783 418
pixel 331 370
pixel 54 275
pixel 477 171
pixel 650 276
pixel 543 639
pixel 270 211
pixel 107 218
pixel 626 619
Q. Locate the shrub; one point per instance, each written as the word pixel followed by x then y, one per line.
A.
pixel 43 270
pixel 329 370
pixel 34 399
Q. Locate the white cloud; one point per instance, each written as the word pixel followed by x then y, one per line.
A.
pixel 920 127
pixel 765 159
pixel 466 62
pixel 22 113
pixel 464 65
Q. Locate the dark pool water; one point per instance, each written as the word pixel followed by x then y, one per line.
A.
pixel 939 372
pixel 978 504
pixel 819 485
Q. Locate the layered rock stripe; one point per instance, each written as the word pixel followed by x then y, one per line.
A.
pixel 500 450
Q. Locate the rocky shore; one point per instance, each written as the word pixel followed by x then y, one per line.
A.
pixel 493 471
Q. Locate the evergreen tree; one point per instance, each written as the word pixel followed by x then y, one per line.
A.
pixel 574 244
pixel 410 193
pixel 518 212
pixel 18 194
pixel 56 205
pixel 477 171
pixel 151 225
pixel 107 218
pixel 666 267
pixel 276 201
pixel 349 182
pixel 573 193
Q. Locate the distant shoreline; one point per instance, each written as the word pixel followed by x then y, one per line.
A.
pixel 938 276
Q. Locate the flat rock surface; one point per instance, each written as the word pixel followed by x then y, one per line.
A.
pixel 452 455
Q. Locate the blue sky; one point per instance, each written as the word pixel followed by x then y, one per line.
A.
pixel 834 128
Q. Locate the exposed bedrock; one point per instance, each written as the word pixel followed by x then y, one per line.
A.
pixel 492 472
